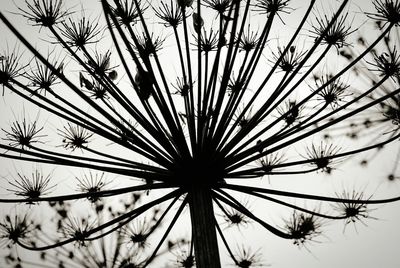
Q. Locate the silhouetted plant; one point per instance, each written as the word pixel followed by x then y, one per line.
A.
pixel 193 117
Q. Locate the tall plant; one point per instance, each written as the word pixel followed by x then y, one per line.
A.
pixel 198 100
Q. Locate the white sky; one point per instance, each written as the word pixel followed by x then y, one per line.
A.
pixel 371 246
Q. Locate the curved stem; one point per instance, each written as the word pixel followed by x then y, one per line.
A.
pixel 105 225
pixel 230 201
pixel 307 196
pixel 91 195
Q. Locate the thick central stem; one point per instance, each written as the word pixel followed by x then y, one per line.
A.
pixel 203 228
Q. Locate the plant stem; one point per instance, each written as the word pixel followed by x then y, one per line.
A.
pixel 203 228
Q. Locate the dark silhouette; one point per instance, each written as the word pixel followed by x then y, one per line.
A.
pixel 198 101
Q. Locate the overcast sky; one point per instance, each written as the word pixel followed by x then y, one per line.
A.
pixel 375 244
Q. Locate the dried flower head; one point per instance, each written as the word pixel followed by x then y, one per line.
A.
pixel 75 137
pixel 242 120
pixel 42 78
pixel 186 261
pixel 91 184
pixel 34 186
pixel 334 92
pixel 130 262
pixel 171 14
pixel 185 151
pixel 391 110
pixel 17 228
pixel 184 256
pixel 185 3
pixel 77 229
pixel 268 162
pixel 182 88
pixel 245 258
pixel 235 85
pixel 221 6
pixel 321 156
pixel 136 233
pixel 80 33
pixel 290 58
pixel 353 212
pixel 387 11
pixel 387 64
pixel 127 12
pixel 291 112
pixel 208 42
pixel 272 7
pixel 248 40
pixel 44 13
pixel 336 34
pixel 302 227
pixel 23 134
pixel 235 218
pixel 147 46
pixel 95 89
pixel 101 64
pixel 392 177
pixel 10 67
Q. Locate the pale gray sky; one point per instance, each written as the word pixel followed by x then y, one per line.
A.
pixel 368 246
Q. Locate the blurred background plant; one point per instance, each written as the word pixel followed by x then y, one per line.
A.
pixel 208 117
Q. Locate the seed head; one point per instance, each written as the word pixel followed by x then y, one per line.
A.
pixel 137 233
pixel 302 227
pixel 23 134
pixel 272 7
pixel 235 218
pixel 46 13
pixel 146 47
pixel 184 256
pixel 75 137
pixel 321 155
pixel 248 40
pixel 77 229
pixel 391 111
pixel 17 228
pixel 34 186
pixel 91 184
pixel 334 92
pixel 221 6
pixel 80 33
pixel 290 111
pixel 290 60
pixel 184 3
pixel 353 211
pixel 245 258
pixel 10 67
pixel 101 64
pixel 127 13
pixel 171 14
pixel 336 34
pixel 182 88
pixel 94 88
pixel 42 78
pixel 268 162
pixel 387 11
pixel 208 42
pixel 387 64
